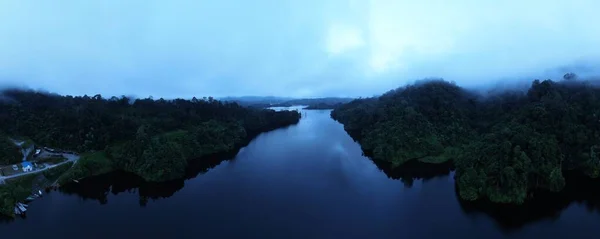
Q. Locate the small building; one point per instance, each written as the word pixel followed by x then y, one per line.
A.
pixel 37 152
pixel 27 166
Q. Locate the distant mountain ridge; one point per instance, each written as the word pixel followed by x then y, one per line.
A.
pixel 272 101
pixel 256 99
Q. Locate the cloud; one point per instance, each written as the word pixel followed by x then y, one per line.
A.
pixel 343 38
pixel 190 48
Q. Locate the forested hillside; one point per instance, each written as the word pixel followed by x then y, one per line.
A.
pixel 503 144
pixel 9 152
pixel 152 138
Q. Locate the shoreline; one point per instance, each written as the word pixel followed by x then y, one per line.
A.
pixel 193 163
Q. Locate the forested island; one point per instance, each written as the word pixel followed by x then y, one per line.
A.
pixel 155 139
pixel 504 144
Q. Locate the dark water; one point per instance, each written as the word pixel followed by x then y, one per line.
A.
pixel 305 181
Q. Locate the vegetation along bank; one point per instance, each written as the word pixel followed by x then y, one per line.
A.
pixel 504 144
pixel 154 139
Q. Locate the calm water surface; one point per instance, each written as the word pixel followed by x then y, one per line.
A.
pixel 309 180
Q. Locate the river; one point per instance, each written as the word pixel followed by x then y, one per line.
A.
pixel 308 180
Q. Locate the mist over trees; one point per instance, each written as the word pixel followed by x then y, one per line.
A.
pixel 503 143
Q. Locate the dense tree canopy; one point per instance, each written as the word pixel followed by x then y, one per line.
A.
pixel 9 152
pixel 503 144
pixel 152 138
pixel 430 124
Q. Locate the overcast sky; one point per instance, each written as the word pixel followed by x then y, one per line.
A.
pixel 300 48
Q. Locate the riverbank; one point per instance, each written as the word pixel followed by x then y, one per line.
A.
pixel 25 175
pixel 18 189
pixel 117 181
pixel 101 162
pixel 155 139
pixel 311 170
pixel 503 145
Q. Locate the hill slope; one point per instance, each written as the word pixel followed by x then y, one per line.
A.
pixel 503 145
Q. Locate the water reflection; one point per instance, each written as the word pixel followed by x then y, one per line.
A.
pixel 544 205
pixel 99 187
pixel 413 170
pixel 509 218
pixel 310 179
pixel 410 171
